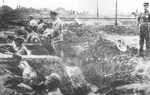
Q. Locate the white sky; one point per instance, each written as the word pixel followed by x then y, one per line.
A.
pixel 106 7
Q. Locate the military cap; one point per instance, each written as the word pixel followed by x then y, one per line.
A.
pixel 146 4
pixel 53 77
pixel 53 13
pixel 10 37
pixel 31 16
pixel 20 40
pixel 41 20
pixel 53 81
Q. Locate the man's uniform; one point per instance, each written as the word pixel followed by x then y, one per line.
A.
pixel 33 24
pixel 40 26
pixel 51 85
pixel 32 37
pixel 57 40
pixel 56 36
pixel 27 71
pixel 144 20
pixel 22 50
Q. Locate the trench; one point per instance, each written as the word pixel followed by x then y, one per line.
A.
pixel 102 67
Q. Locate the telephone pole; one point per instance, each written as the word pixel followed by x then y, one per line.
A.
pixel 116 22
pixel 97 11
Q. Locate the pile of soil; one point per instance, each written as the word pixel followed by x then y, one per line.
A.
pixel 77 36
pixel 98 58
pixel 101 57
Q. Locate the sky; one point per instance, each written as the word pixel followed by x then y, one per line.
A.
pixel 106 7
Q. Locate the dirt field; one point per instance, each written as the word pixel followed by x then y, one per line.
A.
pixel 92 47
pixel 95 52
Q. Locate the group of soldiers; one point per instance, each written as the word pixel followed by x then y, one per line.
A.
pixel 36 32
pixel 23 75
pixel 39 32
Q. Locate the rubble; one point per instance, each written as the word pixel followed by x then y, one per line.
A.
pixel 102 63
pixel 46 65
pixel 95 61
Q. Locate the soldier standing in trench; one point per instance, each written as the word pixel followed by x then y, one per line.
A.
pixel 55 34
pixel 143 22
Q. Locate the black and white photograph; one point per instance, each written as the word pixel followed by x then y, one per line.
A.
pixel 74 47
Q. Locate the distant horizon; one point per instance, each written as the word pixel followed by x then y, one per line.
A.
pixel 119 13
pixel 106 7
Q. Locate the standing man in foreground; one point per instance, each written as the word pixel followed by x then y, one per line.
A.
pixel 143 22
pixel 56 34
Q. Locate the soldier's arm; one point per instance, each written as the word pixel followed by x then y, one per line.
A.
pixel 11 50
pixel 38 87
pixel 56 30
pixel 57 26
pixel 139 19
pixel 23 51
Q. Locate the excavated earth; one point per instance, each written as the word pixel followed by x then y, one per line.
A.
pixel 114 72
pixel 97 65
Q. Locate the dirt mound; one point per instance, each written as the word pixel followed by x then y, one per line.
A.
pixel 101 62
pixel 76 38
pixel 98 57
pixel 133 78
pixel 122 30
pixel 45 65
